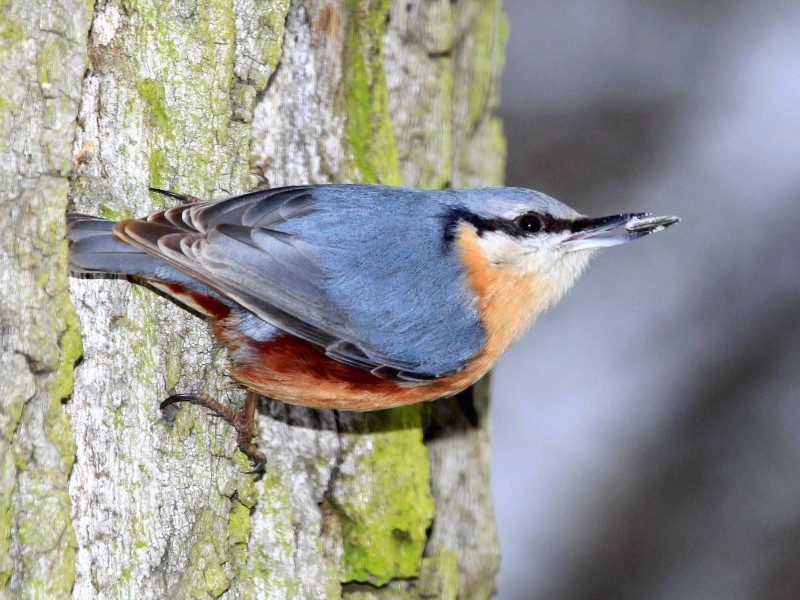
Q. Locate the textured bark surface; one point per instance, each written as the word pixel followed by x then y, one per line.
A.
pixel 43 53
pixel 110 498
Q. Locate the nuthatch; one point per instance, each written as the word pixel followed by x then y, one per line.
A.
pixel 355 297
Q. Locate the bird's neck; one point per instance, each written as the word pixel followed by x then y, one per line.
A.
pixel 508 300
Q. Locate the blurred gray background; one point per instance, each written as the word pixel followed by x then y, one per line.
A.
pixel 647 430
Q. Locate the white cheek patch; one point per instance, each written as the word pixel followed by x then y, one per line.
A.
pixel 499 248
pixel 539 254
pixel 525 255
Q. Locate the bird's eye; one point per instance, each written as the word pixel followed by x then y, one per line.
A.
pixel 530 223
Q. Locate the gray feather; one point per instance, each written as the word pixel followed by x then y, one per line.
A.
pixel 94 249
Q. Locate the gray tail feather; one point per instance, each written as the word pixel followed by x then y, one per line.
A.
pixel 94 249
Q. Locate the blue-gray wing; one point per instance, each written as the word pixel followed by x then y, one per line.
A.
pixel 359 271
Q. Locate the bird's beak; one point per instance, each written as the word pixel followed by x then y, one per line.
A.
pixel 588 233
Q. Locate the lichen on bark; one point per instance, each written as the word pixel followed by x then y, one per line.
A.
pixel 369 135
pixel 166 102
pixel 191 97
pixel 43 54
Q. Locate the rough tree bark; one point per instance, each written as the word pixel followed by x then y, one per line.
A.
pixel 100 494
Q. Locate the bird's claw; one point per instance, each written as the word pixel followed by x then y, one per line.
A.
pixel 258 462
pixel 241 420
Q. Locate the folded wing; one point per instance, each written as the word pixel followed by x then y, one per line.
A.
pixel 236 247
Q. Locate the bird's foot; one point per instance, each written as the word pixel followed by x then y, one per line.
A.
pixel 241 420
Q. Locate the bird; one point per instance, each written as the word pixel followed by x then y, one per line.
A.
pixel 354 296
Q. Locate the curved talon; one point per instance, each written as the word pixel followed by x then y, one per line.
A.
pixel 191 398
pixel 258 460
pixel 241 420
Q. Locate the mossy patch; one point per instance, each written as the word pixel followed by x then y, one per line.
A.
pixel 385 526
pixel 266 555
pixel 155 99
pixel 269 29
pixel 369 135
pixel 108 212
pixel 12 31
pixel 205 576
pixel 490 34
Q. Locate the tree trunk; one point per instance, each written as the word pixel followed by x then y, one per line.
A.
pixel 100 493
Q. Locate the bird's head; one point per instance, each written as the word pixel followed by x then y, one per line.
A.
pixel 524 248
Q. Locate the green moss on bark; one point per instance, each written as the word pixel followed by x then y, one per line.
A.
pixel 384 526
pixel 205 576
pixel 368 129
pixel 185 72
pixel 12 31
pixel 154 97
pixel 40 514
pixel 490 34
pixel 265 570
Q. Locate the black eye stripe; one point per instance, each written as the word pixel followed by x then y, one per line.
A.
pixel 553 225
pixel 549 223
pixel 510 227
pixel 481 224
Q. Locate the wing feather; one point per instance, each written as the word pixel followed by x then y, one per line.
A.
pixel 232 246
